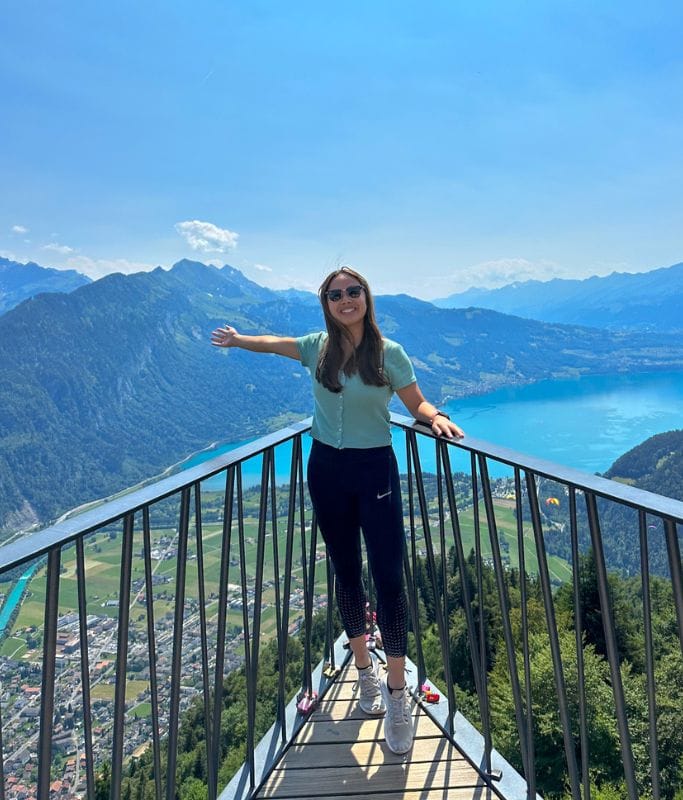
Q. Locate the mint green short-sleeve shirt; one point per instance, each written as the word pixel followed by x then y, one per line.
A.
pixel 358 416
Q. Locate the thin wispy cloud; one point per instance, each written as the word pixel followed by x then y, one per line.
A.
pixel 263 268
pixel 55 247
pixel 207 237
pixel 498 272
pixel 19 229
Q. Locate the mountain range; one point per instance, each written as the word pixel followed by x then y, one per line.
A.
pixel 109 384
pixel 641 301
pixel 18 281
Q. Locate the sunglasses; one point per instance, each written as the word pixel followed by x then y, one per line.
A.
pixel 335 295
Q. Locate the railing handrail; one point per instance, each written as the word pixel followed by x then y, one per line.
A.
pixel 36 544
pixel 639 499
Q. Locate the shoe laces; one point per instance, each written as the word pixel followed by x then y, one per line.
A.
pixel 368 682
pixel 399 709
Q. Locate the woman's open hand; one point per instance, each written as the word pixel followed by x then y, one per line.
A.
pixel 442 426
pixel 224 337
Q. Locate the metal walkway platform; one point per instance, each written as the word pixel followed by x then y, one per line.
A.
pixel 340 753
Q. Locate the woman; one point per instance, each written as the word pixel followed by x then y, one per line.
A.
pixel 353 476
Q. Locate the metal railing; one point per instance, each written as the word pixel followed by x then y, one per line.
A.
pixel 150 600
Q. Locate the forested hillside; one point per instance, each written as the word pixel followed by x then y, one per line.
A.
pixel 112 383
pixel 551 772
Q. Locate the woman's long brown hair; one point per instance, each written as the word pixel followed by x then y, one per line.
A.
pixel 367 359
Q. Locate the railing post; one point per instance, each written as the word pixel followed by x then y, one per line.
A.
pixel 151 651
pixel 47 695
pixel 578 638
pixel 441 623
pixel 551 622
pixel 85 669
pixel 201 596
pixel 611 647
pixel 221 630
pixel 530 764
pixel 484 708
pixel 121 657
pixel 176 661
pixel 504 605
pixel 649 655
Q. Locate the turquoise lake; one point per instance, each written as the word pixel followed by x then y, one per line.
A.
pixel 584 423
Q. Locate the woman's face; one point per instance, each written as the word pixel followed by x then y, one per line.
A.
pixel 349 311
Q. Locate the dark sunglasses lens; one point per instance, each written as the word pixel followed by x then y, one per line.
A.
pixel 334 295
pixel 354 291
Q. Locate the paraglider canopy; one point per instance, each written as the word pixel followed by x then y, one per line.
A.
pixel 552 501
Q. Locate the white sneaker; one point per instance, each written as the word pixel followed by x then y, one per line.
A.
pixel 398 723
pixel 370 694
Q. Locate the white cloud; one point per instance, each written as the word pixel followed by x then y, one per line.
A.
pixel 98 267
pixel 63 249
pixel 19 229
pixel 263 268
pixel 499 272
pixel 206 236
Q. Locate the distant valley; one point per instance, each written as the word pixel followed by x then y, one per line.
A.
pixel 110 383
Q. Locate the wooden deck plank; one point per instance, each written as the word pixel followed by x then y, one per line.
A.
pixel 468 793
pixel 372 780
pixel 301 756
pixel 340 754
pixel 364 729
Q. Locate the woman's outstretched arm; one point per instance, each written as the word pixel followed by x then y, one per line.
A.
pixel 227 336
pixel 413 399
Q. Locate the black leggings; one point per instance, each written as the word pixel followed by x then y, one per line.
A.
pixel 353 490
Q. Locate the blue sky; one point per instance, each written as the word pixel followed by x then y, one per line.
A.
pixel 434 146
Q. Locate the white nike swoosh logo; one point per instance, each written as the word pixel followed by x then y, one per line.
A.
pixel 380 496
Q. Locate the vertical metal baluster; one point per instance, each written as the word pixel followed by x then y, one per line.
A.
pixel 121 657
pixel 309 590
pixel 258 576
pixel 413 603
pixel 203 635
pixel 306 680
pixel 611 647
pixel 289 544
pixel 462 571
pixel 649 656
pixel 504 605
pixel 281 634
pixel 446 655
pixel 560 684
pixel 85 669
pixel 47 696
pixel 530 764
pixel 674 552
pixel 429 544
pixel 329 622
pixel 151 651
pixel 176 661
pixel 222 624
pixel 483 658
pixel 578 631
pixel 251 688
